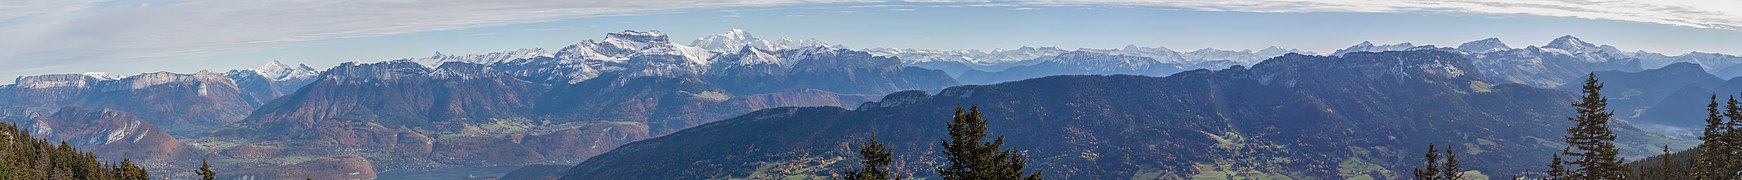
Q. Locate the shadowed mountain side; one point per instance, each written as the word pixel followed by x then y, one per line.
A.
pixel 1363 114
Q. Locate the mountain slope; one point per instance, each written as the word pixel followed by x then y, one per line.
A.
pixel 525 108
pixel 178 102
pixel 1299 116
pixel 1076 63
pixel 109 133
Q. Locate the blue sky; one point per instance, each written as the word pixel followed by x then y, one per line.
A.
pixel 131 37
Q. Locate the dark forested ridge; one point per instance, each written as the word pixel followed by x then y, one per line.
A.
pixel 26 157
pixel 1359 115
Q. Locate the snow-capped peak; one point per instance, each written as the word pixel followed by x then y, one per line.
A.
pixel 630 39
pixel 485 58
pixel 733 40
pixel 102 75
pixel 1366 46
pixel 55 81
pixel 621 46
pixel 1484 46
pixel 752 55
pixel 1571 44
pixel 278 71
pixel 725 42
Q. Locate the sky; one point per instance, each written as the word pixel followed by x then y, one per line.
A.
pixel 125 37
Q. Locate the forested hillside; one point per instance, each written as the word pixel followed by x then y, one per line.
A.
pixel 26 157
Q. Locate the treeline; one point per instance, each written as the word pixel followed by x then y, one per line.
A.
pixel 970 156
pixel 1591 152
pixel 1719 157
pixel 26 157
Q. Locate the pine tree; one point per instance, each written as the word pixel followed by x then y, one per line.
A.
pixel 1729 154
pixel 1593 149
pixel 1452 171
pixel 205 171
pixel 1706 164
pixel 1430 171
pixel 972 159
pixel 1664 169
pixel 877 157
pixel 26 157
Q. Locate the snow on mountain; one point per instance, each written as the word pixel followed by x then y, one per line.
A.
pixel 629 53
pixel 1244 57
pixel 485 58
pixel 731 40
pixel 56 81
pixel 278 71
pixel 148 80
pixel 748 55
pixel 1572 45
pixel 1366 46
pixel 1158 53
pixel 785 43
pixel 102 75
pixel 911 56
pixel 116 83
pixel 1483 46
pixel 735 39
pixel 622 46
pixel 1163 54
pixel 353 72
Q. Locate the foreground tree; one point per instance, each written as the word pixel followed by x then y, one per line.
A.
pixel 972 159
pixel 877 159
pixel 1556 170
pixel 1452 171
pixel 205 171
pixel 1706 164
pixel 1593 151
pixel 1431 170
pixel 1434 170
pixel 1727 156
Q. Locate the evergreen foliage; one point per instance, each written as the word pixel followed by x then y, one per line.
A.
pixel 1706 165
pixel 1434 170
pixel 972 159
pixel 1664 168
pixel 1593 152
pixel 1430 171
pixel 1728 154
pixel 1556 170
pixel 1452 171
pixel 877 159
pixel 26 157
pixel 205 171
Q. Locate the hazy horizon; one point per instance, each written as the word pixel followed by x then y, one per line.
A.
pixel 984 26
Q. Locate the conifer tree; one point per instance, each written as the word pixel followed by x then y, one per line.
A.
pixel 1593 151
pixel 1663 168
pixel 1706 164
pixel 1730 154
pixel 1431 170
pixel 877 158
pixel 972 159
pixel 205 171
pixel 26 157
pixel 1452 171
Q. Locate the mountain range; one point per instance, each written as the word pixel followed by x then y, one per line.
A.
pixel 1079 111
pixel 1358 115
